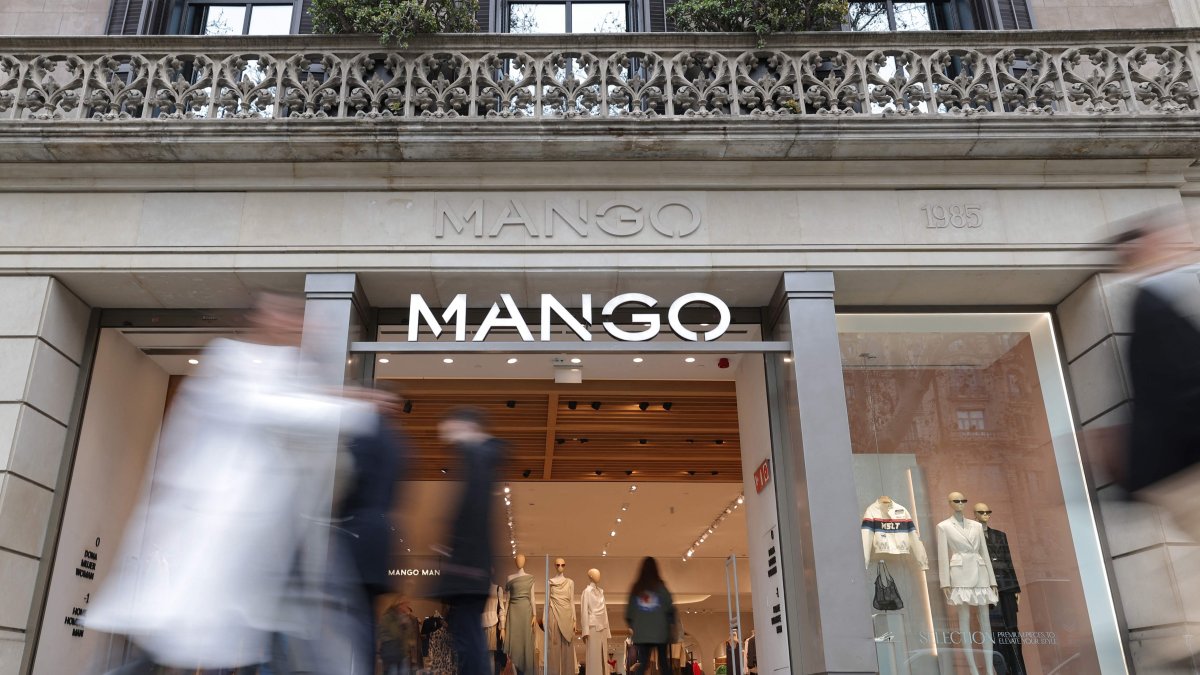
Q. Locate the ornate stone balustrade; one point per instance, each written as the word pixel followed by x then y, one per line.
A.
pixel 514 78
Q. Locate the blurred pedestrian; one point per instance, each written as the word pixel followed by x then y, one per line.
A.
pixel 650 615
pixel 1163 446
pixel 467 571
pixel 228 503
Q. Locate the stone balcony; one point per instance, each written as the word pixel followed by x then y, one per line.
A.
pixel 1031 95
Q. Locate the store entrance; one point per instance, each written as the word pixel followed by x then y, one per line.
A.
pixel 644 455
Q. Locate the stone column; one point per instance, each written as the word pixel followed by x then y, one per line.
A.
pixel 1144 551
pixel 43 329
pixel 820 544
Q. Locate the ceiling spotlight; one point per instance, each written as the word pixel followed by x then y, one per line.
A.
pixel 510 404
pixel 443 471
pixel 613 533
pixel 638 359
pixel 618 520
pixel 643 405
pixel 690 359
pixel 595 405
pixel 576 360
pixel 571 405
pixel 691 552
pixel 741 499
pixel 447 360
pixel 512 360
pixel 633 488
pixel 629 472
pixel 560 441
pixel 719 442
pixel 624 507
pixel 642 441
pixel 385 360
pixel 667 405
pixel 194 362
pixel 715 472
pixel 599 472
pixel 507 489
pixel 407 407
pixel 583 440
pixel 260 361
pixel 604 554
pixel 691 473
pixel 526 473
pixel 787 359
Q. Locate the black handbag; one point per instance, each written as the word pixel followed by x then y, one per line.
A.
pixel 887 598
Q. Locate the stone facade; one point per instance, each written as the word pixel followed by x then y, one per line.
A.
pixel 54 17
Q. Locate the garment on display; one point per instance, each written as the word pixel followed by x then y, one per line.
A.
pixel 751 655
pixel 888 529
pixel 594 616
pixel 561 627
pixel 519 620
pixel 1005 632
pixel 967 578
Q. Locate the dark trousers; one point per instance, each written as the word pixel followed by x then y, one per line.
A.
pixel 465 620
pixel 1006 635
pixel 643 657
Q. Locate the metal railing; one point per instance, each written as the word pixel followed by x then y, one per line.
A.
pixel 509 78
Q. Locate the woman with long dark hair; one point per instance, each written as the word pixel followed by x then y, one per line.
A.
pixel 650 615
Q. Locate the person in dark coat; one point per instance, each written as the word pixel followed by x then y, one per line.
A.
pixel 467 570
pixel 650 615
pixel 364 527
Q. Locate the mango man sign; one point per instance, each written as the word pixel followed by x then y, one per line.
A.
pixel 506 314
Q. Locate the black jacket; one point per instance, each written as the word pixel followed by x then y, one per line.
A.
pixel 1164 366
pixel 379 458
pixel 468 568
pixel 1002 563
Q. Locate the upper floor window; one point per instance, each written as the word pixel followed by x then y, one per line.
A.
pixel 260 17
pixel 901 15
pixel 568 16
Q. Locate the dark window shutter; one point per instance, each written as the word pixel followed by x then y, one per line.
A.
pixel 306 26
pixel 1014 15
pixel 659 21
pixel 124 17
pixel 483 17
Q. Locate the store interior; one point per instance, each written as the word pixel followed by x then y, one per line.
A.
pixel 639 455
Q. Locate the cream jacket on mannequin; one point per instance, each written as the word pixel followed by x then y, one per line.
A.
pixel 594 615
pixel 964 566
pixel 888 529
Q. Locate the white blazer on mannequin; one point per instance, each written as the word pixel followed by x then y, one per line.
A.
pixel 963 560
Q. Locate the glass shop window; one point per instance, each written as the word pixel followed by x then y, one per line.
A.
pixel 978 540
pixel 898 15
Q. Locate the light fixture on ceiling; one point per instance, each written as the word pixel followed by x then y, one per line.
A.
pixel 512 360
pixel 643 405
pixel 613 533
pixel 599 472
pixel 690 359
pixel 629 472
pixel 576 359
pixel 638 359
pixel 595 405
pixel 667 406
pixel 526 473
pixel 507 489
pixel 642 441
pixel 510 404
pixel 716 523
pixel 787 359
pixel 633 488
pixel 194 362
pixel 385 360
pixel 407 407
pixel 443 471
pixel 447 360
pixel 740 500
pixel 571 405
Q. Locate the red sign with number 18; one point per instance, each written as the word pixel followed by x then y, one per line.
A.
pixel 762 475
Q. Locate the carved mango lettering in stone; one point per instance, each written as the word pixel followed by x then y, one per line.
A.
pixel 670 218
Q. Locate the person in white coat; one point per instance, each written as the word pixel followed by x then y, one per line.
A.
pixel 229 501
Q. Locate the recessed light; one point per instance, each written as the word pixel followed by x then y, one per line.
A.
pixel 260 361
pixel 613 533
pixel 447 360
pixel 618 520
pixel 385 360
pixel 741 499
pixel 690 359
pixel 576 360
pixel 638 359
pixel 194 362
pixel 507 489
pixel 787 359
pixel 633 488
pixel 512 360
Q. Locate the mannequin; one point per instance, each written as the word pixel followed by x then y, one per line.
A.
pixel 751 655
pixel 966 576
pixel 520 619
pixel 1004 613
pixel 593 613
pixel 561 628
pixel 493 624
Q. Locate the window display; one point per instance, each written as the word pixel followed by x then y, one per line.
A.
pixel 952 416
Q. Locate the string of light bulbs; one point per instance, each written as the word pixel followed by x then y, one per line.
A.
pixel 622 514
pixel 707 532
pixel 512 530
